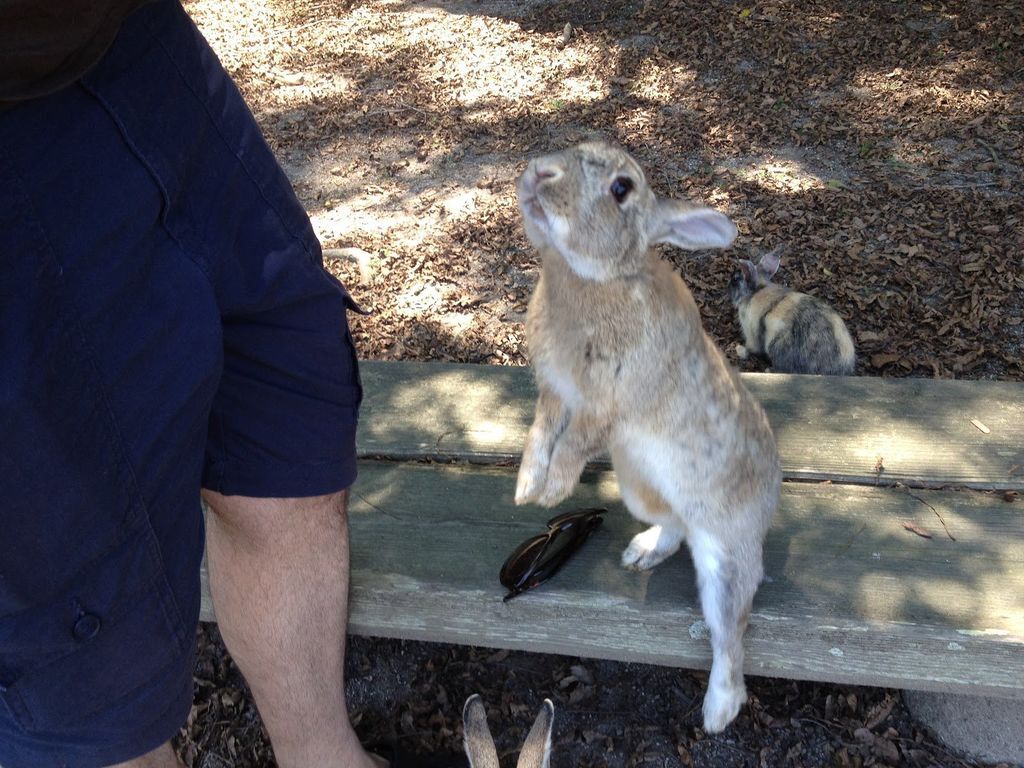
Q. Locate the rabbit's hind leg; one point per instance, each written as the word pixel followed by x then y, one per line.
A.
pixel 663 538
pixel 650 547
pixel 726 593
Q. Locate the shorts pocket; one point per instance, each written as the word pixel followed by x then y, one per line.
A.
pixel 93 646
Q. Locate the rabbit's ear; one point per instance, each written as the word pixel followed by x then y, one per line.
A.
pixel 769 263
pixel 536 751
pixel 691 228
pixel 477 736
pixel 749 271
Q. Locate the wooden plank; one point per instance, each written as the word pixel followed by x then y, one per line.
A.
pixel 919 432
pixel 852 596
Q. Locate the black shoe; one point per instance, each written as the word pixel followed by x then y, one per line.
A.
pixel 400 758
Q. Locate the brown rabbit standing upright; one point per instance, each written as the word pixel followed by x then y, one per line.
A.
pixel 797 332
pixel 622 363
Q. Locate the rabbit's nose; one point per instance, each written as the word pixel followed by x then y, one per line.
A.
pixel 546 170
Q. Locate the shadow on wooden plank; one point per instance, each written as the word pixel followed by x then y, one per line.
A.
pixel 851 596
pixel 860 430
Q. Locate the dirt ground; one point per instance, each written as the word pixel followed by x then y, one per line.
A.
pixel 878 142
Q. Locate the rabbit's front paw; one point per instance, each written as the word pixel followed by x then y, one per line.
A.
pixel 562 476
pixel 721 705
pixel 530 481
pixel 557 489
pixel 741 352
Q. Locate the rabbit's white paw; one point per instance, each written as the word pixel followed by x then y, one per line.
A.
pixel 530 481
pixel 721 705
pixel 557 488
pixel 649 548
pixel 741 352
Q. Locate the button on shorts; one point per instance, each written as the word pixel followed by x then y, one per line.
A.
pixel 165 323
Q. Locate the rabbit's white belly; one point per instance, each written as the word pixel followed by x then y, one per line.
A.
pixel 674 468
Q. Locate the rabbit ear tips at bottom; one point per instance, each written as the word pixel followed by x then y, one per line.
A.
pixel 548 708
pixel 536 752
pixel 477 740
pixel 474 721
pixel 474 702
pixel 546 716
pixel 479 744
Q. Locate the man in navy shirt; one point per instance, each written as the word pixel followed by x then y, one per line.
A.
pixel 166 324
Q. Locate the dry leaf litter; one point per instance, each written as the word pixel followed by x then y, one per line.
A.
pixel 880 142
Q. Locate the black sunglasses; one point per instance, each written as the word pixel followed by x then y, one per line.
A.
pixel 539 557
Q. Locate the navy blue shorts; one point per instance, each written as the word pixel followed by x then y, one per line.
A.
pixel 165 323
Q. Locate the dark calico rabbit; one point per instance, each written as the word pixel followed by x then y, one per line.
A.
pixel 798 333
pixel 480 749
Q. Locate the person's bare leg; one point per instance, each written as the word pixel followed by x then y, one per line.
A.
pixel 161 757
pixel 279 571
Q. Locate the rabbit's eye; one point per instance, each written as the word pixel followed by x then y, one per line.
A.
pixel 621 187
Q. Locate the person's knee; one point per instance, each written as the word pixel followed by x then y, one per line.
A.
pixel 260 522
